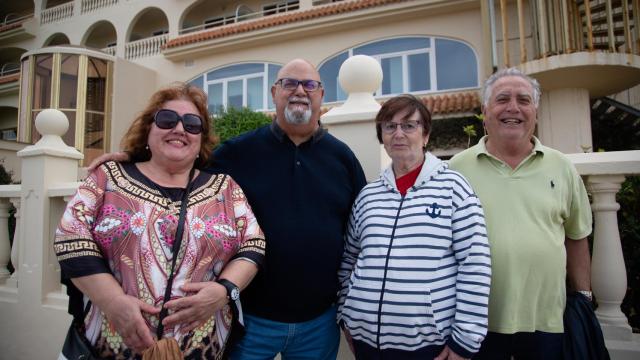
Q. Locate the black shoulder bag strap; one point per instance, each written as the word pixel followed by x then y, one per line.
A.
pixel 175 249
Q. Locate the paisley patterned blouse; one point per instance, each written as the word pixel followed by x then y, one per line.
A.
pixel 120 222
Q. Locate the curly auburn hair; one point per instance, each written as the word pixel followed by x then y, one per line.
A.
pixel 135 141
pixel 404 102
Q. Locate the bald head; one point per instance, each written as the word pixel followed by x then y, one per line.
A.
pixel 298 64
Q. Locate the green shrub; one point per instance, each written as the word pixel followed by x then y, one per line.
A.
pixel 233 122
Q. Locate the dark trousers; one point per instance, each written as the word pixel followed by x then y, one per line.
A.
pixel 363 351
pixel 522 346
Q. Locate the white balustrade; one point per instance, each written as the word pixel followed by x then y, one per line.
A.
pixel 605 172
pixel 111 50
pixel 6 192
pixel 91 5
pixel 56 13
pixel 145 47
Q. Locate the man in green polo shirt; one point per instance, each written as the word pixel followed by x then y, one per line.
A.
pixel 538 217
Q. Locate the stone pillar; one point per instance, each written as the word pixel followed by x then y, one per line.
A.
pixel 608 274
pixel 564 120
pixel 50 161
pixel 353 122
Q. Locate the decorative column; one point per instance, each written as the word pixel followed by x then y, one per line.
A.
pixel 608 274
pixel 47 163
pixel 354 121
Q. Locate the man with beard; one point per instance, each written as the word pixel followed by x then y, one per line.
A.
pixel 301 182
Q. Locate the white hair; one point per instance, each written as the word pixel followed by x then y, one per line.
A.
pixel 487 88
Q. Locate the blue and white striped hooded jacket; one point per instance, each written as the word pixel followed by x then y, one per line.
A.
pixel 416 269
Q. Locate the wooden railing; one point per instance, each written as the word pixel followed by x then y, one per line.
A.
pixel 56 13
pixel 567 26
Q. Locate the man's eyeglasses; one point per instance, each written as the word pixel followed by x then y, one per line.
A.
pixel 292 84
pixel 168 119
pixel 407 127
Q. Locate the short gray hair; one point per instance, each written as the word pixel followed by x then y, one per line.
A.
pixel 487 88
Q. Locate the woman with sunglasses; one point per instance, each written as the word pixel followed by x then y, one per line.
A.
pixel 416 270
pixel 115 240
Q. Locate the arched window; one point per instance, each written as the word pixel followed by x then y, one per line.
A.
pixel 239 85
pixel 414 65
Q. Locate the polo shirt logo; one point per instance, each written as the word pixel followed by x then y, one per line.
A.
pixel 552 184
pixel 434 210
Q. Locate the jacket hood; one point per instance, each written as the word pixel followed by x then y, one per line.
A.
pixel 432 167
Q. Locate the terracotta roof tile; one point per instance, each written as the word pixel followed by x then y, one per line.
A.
pixel 9 78
pixel 460 102
pixel 271 21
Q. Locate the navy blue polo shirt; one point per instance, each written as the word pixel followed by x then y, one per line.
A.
pixel 302 197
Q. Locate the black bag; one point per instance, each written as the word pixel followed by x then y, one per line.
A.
pixel 76 346
pixel 583 337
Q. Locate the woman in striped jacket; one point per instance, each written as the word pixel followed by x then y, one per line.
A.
pixel 416 269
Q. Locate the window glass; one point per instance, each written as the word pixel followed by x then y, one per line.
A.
pixel 238 85
pixel 419 72
pixel 234 94
pixel 70 137
pixel 329 76
pixel 235 70
pixel 96 84
pixel 94 125
pixel 93 136
pixel 42 81
pixel 198 82
pixel 392 46
pixel 254 93
pixel 273 76
pixel 391 75
pixel 68 81
pixel 456 64
pixel 409 64
pixel 215 98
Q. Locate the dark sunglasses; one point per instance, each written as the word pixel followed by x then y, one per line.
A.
pixel 292 84
pixel 168 119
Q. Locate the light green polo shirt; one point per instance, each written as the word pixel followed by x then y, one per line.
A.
pixel 528 211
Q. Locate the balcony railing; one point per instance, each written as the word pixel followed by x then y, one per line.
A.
pixel 227 20
pixel 56 13
pixel 111 50
pixel 92 5
pixel 567 26
pixel 145 47
pixel 9 69
pixel 14 18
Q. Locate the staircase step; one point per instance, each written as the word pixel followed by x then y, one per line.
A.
pixel 601 7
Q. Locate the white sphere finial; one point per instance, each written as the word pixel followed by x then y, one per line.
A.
pixel 360 74
pixel 52 122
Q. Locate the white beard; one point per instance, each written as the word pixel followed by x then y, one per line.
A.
pixel 297 117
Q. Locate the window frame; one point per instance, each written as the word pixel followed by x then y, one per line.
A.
pixel 430 51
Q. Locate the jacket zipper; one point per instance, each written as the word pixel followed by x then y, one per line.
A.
pixel 384 274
